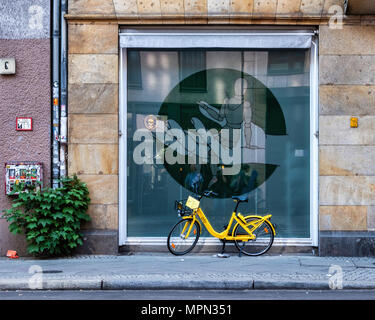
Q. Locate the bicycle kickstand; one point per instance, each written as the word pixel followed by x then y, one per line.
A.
pixel 223 248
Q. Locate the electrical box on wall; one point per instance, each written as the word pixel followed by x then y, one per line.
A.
pixel 7 66
pixel 22 172
pixel 353 122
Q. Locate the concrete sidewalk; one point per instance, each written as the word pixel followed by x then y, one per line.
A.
pixel 165 271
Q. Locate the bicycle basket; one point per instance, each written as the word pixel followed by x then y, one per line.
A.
pixel 182 210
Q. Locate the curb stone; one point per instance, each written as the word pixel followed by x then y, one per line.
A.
pixel 290 285
pixel 178 284
pixel 51 284
pixel 356 285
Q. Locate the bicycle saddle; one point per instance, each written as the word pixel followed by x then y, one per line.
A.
pixel 241 198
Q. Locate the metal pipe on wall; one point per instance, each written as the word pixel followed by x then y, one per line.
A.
pixel 55 92
pixel 63 91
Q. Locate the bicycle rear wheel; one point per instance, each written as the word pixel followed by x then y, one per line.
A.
pixel 263 238
pixel 177 242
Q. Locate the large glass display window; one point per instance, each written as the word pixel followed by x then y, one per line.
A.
pixel 233 120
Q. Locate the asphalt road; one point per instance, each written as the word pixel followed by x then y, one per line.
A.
pixel 178 295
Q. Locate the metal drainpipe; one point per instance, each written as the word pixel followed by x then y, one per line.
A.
pixel 63 83
pixel 55 92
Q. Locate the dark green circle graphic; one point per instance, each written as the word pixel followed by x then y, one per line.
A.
pixel 219 99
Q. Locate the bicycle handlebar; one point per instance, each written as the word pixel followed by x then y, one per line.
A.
pixel 208 193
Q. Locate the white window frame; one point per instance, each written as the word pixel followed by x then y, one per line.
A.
pixel 314 133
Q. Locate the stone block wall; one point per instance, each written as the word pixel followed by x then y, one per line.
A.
pixel 346 155
pixel 93 126
pixel 347 88
pixel 203 11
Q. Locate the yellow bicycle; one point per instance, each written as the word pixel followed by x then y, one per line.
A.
pixel 253 235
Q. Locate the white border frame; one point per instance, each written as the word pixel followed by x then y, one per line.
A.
pixel 314 142
pixel 122 127
pixel 314 157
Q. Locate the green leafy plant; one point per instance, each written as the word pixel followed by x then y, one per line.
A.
pixel 50 218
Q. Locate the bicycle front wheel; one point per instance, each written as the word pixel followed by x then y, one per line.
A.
pixel 263 237
pixel 180 244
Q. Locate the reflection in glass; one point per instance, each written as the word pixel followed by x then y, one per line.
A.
pixel 215 106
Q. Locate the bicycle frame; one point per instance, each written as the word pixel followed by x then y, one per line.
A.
pixel 225 234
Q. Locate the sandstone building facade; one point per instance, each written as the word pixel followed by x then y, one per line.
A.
pixel 307 67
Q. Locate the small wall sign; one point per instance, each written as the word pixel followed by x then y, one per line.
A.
pixel 7 66
pixel 24 124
